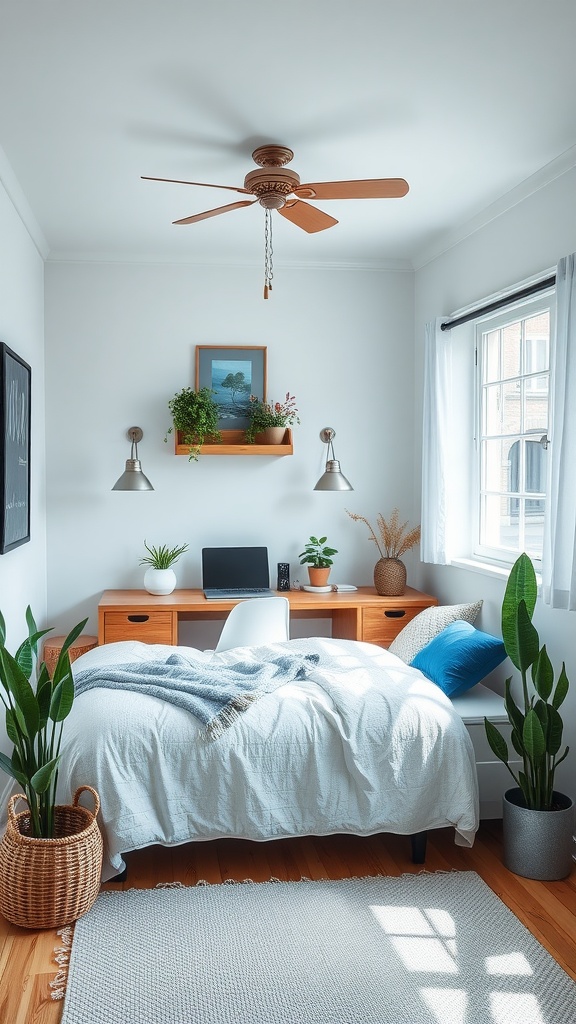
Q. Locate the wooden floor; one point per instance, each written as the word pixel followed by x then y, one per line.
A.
pixel 548 909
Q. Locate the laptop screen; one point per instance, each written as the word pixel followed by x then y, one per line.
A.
pixel 235 568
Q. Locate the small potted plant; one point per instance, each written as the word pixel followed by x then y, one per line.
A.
pixel 195 417
pixel 538 821
pixel 318 557
pixel 395 540
pixel 50 855
pixel 160 577
pixel 268 420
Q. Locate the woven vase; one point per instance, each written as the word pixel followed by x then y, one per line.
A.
pixel 47 883
pixel 389 577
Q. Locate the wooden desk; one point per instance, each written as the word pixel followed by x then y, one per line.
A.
pixel 360 615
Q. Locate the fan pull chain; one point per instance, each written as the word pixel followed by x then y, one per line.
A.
pixel 268 254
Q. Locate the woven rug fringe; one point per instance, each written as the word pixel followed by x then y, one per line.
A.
pixel 62 958
pixel 304 878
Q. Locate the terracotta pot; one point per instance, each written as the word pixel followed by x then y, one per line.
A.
pixel 318 577
pixel 389 577
pixel 271 435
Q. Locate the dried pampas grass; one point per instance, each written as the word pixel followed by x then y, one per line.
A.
pixel 395 537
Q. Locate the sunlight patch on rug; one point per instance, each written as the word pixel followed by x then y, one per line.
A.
pixel 429 948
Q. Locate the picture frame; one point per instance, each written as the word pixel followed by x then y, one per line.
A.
pixel 15 419
pixel 220 367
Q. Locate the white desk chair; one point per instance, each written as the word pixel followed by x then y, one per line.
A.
pixel 262 620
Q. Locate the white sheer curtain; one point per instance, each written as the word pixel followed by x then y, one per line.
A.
pixel 435 434
pixel 559 556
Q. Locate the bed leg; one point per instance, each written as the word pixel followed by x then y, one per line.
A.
pixel 418 844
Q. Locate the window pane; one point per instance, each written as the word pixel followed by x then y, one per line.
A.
pixel 537 334
pixel 491 361
pixel 511 348
pixel 536 404
pixel 535 468
pixel 500 525
pixel 502 408
pixel 500 465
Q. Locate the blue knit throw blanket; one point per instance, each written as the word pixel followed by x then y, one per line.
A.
pixel 215 694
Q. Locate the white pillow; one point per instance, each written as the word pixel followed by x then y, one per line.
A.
pixel 428 624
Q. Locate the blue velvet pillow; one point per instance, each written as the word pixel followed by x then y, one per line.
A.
pixel 459 657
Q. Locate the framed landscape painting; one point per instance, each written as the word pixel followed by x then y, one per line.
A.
pixel 233 374
pixel 15 377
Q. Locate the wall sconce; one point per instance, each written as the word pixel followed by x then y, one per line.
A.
pixel 332 479
pixel 133 478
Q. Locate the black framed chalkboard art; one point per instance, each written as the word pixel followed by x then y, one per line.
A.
pixel 15 378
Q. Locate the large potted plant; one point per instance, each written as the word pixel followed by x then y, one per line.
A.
pixel 50 855
pixel 269 420
pixel 195 416
pixel 318 557
pixel 538 821
pixel 160 577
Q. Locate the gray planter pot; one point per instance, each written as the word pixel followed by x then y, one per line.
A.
pixel 537 844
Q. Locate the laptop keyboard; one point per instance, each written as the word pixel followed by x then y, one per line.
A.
pixel 232 592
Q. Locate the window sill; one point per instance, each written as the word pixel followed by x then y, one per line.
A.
pixel 498 572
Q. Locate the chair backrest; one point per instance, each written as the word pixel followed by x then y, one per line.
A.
pixel 261 620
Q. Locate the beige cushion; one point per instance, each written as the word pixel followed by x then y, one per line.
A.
pixel 428 624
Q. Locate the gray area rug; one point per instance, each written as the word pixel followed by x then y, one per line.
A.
pixel 436 948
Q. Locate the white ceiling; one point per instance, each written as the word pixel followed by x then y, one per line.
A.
pixel 468 101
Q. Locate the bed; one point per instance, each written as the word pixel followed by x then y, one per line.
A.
pixel 362 744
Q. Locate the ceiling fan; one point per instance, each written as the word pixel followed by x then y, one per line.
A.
pixel 277 187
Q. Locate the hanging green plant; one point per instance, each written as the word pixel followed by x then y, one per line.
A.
pixel 195 414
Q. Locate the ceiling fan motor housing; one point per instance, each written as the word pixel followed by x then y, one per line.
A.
pixel 271 186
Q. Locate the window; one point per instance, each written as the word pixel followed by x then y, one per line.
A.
pixel 513 376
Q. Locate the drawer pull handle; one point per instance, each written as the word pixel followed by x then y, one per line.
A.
pixel 395 613
pixel 138 618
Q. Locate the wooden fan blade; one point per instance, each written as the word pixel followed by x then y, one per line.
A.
pixel 367 188
pixel 202 184
pixel 214 213
pixel 307 217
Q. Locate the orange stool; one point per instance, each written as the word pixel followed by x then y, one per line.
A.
pixel 53 646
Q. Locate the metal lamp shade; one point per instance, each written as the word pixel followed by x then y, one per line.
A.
pixel 133 479
pixel 333 479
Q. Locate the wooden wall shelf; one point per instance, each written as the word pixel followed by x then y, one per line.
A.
pixel 233 443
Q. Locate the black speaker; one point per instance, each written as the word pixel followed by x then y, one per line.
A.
pixel 283 576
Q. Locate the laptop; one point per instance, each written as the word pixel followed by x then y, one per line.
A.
pixel 235 573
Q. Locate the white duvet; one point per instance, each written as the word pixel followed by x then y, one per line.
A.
pixel 365 744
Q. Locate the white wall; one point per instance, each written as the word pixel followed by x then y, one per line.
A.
pixel 23 570
pixel 120 342
pixel 525 240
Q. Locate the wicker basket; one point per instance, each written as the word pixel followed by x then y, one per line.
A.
pixel 47 883
pixel 389 577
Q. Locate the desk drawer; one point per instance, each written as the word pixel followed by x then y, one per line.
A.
pixel 382 625
pixel 148 627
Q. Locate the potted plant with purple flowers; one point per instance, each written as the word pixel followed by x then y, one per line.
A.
pixel 268 420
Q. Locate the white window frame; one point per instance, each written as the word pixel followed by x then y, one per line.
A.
pixel 527 308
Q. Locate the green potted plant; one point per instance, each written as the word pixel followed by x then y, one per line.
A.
pixel 318 557
pixel 396 539
pixel 268 420
pixel 50 856
pixel 195 416
pixel 160 577
pixel 537 820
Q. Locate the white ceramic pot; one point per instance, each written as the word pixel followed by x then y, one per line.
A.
pixel 159 581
